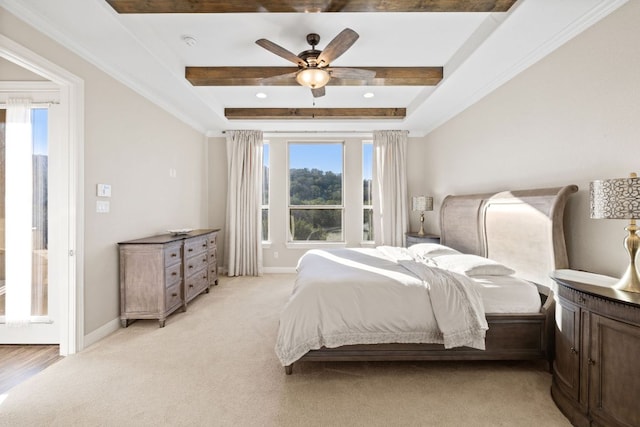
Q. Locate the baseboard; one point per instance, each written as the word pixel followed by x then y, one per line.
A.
pixel 279 270
pixel 104 330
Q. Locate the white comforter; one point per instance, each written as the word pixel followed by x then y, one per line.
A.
pixel 382 295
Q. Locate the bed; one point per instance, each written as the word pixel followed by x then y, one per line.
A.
pixel 339 291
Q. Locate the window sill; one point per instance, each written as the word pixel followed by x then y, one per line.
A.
pixel 311 245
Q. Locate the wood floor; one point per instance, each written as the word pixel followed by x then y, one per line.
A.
pixel 19 362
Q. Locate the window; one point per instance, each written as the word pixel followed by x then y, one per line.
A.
pixel 316 192
pixel 24 233
pixel 265 192
pixel 367 181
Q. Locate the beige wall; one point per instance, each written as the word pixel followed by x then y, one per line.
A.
pixel 131 144
pixel 570 119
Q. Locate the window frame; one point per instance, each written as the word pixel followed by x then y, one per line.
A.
pixel 363 206
pixel 263 207
pixel 290 242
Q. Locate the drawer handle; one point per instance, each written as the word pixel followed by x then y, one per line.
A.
pixel 573 350
pixel 191 286
pixel 581 300
pixel 204 259
pixel 204 276
pixel 173 255
pixel 191 266
pixel 204 245
pixel 190 250
pixel 591 361
pixel 173 273
pixel 174 294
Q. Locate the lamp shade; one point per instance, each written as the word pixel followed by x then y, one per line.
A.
pixel 615 198
pixel 422 203
pixel 313 78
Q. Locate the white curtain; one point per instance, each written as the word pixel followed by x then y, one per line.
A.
pixel 18 212
pixel 390 213
pixel 243 230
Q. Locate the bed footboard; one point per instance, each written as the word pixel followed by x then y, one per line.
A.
pixel 510 337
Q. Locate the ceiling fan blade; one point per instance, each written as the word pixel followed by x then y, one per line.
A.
pixel 280 77
pixel 337 46
pixel 318 92
pixel 351 73
pixel 280 51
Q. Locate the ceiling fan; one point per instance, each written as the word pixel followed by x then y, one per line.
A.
pixel 314 70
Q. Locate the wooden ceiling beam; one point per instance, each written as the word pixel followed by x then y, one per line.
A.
pixel 306 6
pixel 253 76
pixel 314 113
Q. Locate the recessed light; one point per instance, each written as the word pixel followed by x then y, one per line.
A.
pixel 369 95
pixel 261 95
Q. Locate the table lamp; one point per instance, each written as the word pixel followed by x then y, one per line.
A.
pixel 620 199
pixel 422 204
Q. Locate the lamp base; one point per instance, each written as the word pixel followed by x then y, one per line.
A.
pixel 630 282
pixel 421 232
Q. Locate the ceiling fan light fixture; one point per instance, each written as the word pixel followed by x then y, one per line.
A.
pixel 313 78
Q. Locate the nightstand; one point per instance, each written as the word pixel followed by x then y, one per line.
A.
pixel 596 374
pixel 413 238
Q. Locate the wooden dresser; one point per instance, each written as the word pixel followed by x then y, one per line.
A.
pixel 596 372
pixel 160 274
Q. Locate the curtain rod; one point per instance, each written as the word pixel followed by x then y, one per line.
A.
pixel 312 131
pixel 47 103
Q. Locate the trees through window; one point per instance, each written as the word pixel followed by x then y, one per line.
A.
pixel 316 205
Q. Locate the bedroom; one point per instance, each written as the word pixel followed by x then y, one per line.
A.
pixel 570 118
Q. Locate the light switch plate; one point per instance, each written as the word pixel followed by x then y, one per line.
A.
pixel 102 206
pixel 104 190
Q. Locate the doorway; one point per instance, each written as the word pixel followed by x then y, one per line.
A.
pixel 64 250
pixel 27 297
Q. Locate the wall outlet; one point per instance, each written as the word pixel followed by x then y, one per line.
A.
pixel 276 255
pixel 173 172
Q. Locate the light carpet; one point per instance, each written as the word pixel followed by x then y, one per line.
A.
pixel 215 365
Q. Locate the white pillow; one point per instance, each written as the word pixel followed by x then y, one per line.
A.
pixel 430 250
pixel 472 265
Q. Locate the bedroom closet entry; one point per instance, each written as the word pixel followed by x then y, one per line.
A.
pixel 28 298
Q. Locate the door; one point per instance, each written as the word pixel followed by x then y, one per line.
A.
pixel 614 374
pixel 567 362
pixel 29 302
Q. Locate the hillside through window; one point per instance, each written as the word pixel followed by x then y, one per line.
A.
pixel 367 201
pixel 316 203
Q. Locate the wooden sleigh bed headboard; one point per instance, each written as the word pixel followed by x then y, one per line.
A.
pixel 522 229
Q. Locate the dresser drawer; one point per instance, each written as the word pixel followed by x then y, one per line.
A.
pixel 173 274
pixel 172 254
pixel 213 240
pixel 195 246
pixel 213 256
pixel 173 297
pixel 195 263
pixel 195 284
